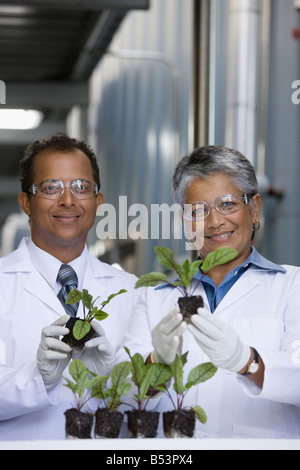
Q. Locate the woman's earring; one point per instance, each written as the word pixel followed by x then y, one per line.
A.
pixel 256 226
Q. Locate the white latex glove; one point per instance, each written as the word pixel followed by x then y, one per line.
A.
pixel 53 356
pixel 98 353
pixel 219 341
pixel 167 338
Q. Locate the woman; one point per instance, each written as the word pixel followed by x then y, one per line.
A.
pixel 250 324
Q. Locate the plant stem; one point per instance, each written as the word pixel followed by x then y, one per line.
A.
pixel 197 284
pixel 171 398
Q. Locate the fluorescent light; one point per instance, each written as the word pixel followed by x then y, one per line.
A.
pixel 20 118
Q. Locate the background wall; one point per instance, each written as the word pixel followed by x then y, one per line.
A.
pixel 167 83
pixel 142 107
pixel 283 137
pixel 141 114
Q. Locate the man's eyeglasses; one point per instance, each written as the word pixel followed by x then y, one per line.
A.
pixel 54 189
pixel 225 205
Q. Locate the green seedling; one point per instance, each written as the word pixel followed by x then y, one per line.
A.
pixel 197 375
pixel 186 271
pixel 82 382
pixel 90 311
pixel 148 378
pixel 119 387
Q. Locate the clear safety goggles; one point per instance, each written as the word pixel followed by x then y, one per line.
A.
pixel 54 189
pixel 225 205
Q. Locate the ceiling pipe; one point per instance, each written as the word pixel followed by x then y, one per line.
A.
pixel 97 43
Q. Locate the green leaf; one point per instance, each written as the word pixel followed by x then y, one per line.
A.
pixel 100 315
pixel 200 374
pixel 123 389
pixel 97 387
pixel 185 274
pixel 183 358
pixel 177 372
pixel 215 258
pixel 151 280
pixel 98 381
pixel 166 257
pixel 74 297
pixel 120 373
pixel 194 268
pixel 200 414
pixel 115 393
pixel 71 385
pixel 161 376
pixel 139 369
pixel 122 291
pixel 146 383
pixel 120 387
pixel 80 329
pixel 186 267
pixel 76 368
pixel 82 383
pixel 87 299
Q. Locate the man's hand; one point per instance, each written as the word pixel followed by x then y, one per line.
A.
pixel 53 356
pixel 98 353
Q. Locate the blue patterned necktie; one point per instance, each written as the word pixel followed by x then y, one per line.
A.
pixel 68 278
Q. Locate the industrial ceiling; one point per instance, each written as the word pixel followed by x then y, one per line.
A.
pixel 48 50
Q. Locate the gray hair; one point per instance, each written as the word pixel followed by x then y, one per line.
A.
pixel 206 161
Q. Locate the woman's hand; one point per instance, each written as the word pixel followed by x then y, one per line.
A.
pixel 219 341
pixel 167 338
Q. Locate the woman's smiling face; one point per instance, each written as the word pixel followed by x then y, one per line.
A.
pixel 234 230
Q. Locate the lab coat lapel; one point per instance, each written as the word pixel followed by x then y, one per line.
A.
pixel 247 282
pixel 96 276
pixel 39 287
pixel 19 262
pixel 94 281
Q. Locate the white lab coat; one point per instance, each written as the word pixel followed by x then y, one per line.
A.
pixel 264 308
pixel 27 305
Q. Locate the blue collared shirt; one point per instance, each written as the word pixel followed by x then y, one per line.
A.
pixel 216 294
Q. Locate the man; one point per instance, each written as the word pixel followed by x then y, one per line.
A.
pixel 60 194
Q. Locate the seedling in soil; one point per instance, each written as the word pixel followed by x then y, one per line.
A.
pixel 188 303
pixel 108 417
pixel 81 328
pixel 180 419
pixel 148 378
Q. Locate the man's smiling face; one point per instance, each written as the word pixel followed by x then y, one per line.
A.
pixel 61 223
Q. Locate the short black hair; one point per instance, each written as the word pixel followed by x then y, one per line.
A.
pixel 61 142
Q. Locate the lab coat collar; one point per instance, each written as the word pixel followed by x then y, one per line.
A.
pixel 17 261
pixel 20 261
pixel 48 266
pixel 258 261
